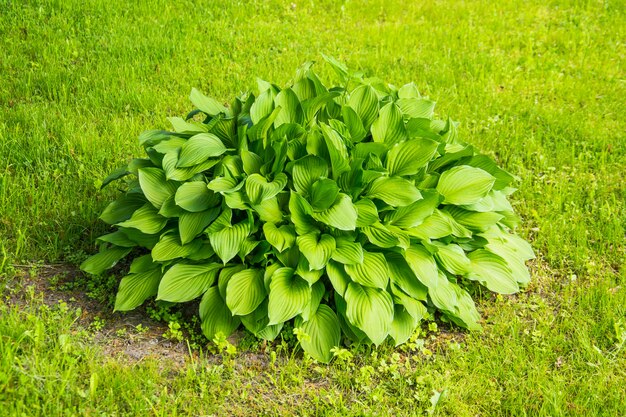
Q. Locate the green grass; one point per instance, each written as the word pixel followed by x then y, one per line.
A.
pixel 540 85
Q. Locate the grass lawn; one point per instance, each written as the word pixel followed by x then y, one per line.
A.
pixel 539 85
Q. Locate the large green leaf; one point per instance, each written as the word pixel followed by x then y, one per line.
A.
pixel 452 257
pixel 291 112
pixel 408 157
pixel 259 189
pixel 380 236
pixel 422 264
pixel 301 214
pixel 206 104
pixel 402 276
pixel 341 215
pixel 146 219
pixel 324 333
pixel 183 174
pixel 214 315
pixel 281 238
pixel 154 185
pixel 367 213
pixel 353 123
pixel 394 191
pixel 135 288
pixel 338 277
pixel 289 295
pixel 227 241
pixel 100 262
pixel 464 185
pixel 123 208
pixel 245 291
pixel 195 196
pixel 364 101
pixel 416 107
pixel 323 194
pixel 191 225
pixel 370 310
pixel 199 148
pixel 403 325
pixel 414 214
pixel 492 271
pixel 373 272
pixel 170 247
pixel 307 171
pixel 317 249
pixel 337 150
pixel 347 252
pixel 182 282
pixel 389 128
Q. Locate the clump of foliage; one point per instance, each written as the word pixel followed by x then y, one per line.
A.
pixel 350 210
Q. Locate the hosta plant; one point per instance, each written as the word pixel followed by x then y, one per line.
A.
pixel 350 210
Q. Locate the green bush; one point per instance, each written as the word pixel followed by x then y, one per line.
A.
pixel 349 210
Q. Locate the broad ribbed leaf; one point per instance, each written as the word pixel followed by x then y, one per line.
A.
pixel 154 185
pixel 347 252
pixel 182 282
pixel 337 150
pixel 183 174
pixel 394 191
pixel 443 294
pixel 338 277
pixel 341 215
pixel 422 264
pixel 100 262
pixel 291 112
pixel 308 170
pixel 198 149
pixel 367 213
pixel 323 194
pixel 464 185
pixel 289 295
pixel 118 238
pixel 452 257
pixel 324 333
pixel 305 271
pixel 373 272
pixel 214 315
pixel 492 271
pixel 414 214
pixel 170 247
pixel 122 208
pixel 380 236
pixel 433 227
pixel 227 242
pixel 259 189
pixel 146 219
pixel 402 326
pixel 301 212
pixel 353 123
pixel 269 211
pixel 245 291
pixel 135 288
pixel 402 276
pixel 207 105
pixel 408 157
pixel 281 238
pixel 370 310
pixel 317 249
pixel 318 290
pixel 475 220
pixel 364 101
pixel 414 108
pixel 191 225
pixel 389 126
pixel 195 196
